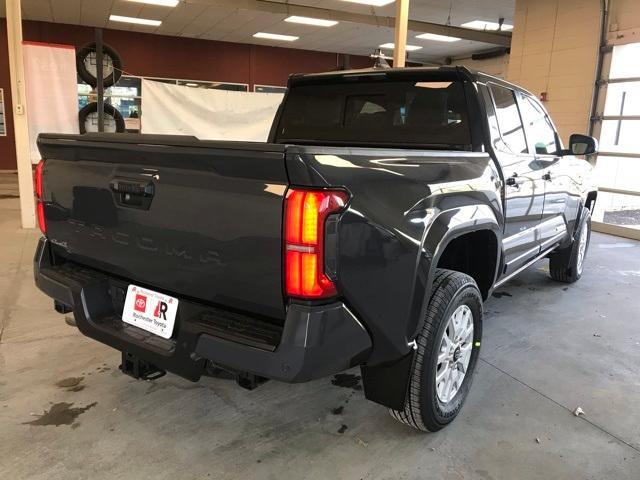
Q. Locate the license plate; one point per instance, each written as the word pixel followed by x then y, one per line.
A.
pixel 151 311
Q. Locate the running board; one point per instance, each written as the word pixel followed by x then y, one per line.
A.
pixel 525 266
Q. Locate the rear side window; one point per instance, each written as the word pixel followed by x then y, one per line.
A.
pixel 377 113
pixel 509 121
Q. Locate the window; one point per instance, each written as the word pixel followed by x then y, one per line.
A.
pixel 617 169
pixel 269 89
pixel 378 112
pixel 539 129
pixel 236 87
pixel 126 95
pixel 509 121
pixel 363 110
pixel 3 128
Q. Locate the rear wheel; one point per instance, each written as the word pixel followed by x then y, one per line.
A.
pixel 566 265
pixel 446 354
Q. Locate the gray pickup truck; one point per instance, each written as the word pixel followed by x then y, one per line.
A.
pixel 384 209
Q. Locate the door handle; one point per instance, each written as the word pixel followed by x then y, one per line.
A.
pixel 546 176
pixel 132 187
pixel 132 193
pixel 513 181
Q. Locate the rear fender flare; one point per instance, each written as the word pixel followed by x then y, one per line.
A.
pixel 445 227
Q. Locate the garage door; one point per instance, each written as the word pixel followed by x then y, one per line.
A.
pixel 618 163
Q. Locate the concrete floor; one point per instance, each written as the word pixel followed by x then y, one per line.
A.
pixel 66 412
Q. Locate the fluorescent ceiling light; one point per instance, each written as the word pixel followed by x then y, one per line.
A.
pixel 276 36
pixel 437 38
pixel 375 3
pixel 409 48
pixel 319 22
pixel 137 21
pixel 484 25
pixel 162 3
pixel 191 84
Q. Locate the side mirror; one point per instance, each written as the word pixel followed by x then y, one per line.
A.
pixel 582 144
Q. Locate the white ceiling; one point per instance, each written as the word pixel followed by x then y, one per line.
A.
pixel 227 21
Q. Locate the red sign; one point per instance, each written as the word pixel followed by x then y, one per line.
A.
pixel 141 303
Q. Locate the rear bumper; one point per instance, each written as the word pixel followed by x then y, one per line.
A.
pixel 315 341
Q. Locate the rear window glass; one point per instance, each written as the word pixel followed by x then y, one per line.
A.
pixel 377 113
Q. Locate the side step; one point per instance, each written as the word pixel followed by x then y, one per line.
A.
pixel 139 369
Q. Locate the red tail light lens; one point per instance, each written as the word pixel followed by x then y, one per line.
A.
pixel 38 189
pixel 40 212
pixel 305 215
pixel 38 179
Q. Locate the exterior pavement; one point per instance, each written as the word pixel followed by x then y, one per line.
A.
pixel 66 411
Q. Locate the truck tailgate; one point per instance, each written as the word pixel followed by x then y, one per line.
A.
pixel 199 219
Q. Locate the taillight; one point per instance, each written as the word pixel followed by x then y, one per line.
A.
pixel 305 215
pixel 38 189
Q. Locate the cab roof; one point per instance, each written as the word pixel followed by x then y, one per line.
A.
pixel 404 73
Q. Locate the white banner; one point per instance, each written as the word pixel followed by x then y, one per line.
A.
pixel 52 90
pixel 207 113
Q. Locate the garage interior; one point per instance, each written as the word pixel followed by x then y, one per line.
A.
pixel 548 351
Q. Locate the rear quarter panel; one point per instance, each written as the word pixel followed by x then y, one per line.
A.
pixel 404 204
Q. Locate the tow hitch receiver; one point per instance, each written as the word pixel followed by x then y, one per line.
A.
pixel 139 369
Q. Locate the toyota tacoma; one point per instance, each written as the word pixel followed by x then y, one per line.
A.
pixel 367 231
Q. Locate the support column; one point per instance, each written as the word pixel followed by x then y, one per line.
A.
pixel 400 42
pixel 20 122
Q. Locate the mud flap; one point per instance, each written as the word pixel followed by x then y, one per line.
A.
pixel 387 383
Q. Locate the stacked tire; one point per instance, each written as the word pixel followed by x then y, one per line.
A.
pixel 87 71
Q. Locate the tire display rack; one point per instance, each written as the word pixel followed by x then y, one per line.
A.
pixel 100 66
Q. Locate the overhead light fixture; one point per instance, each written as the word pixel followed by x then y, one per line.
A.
pixel 318 22
pixel 484 25
pixel 409 48
pixel 191 84
pixel 161 3
pixel 373 3
pixel 437 38
pixel 276 36
pixel 137 21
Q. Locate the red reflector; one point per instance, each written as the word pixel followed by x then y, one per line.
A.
pixel 39 190
pixel 305 215
pixel 40 212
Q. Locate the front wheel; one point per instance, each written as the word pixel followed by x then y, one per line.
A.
pixel 566 265
pixel 446 354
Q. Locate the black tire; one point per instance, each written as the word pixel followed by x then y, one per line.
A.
pixel 565 265
pixel 108 110
pixel 423 409
pixel 90 77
